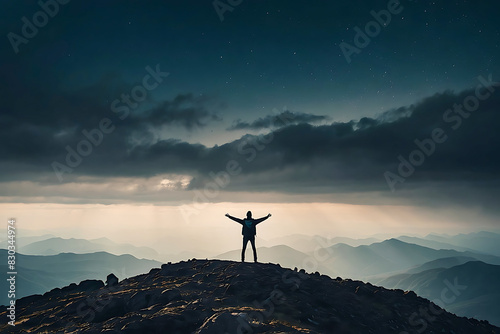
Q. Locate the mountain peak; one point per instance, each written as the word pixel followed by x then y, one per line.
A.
pixel 393 241
pixel 213 296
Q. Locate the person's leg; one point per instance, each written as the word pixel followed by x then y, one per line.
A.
pixel 252 241
pixel 245 241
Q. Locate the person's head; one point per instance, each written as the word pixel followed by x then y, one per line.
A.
pixel 249 214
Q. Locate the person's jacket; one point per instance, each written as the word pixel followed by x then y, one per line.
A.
pixel 248 229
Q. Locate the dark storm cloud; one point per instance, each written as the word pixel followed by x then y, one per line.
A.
pixel 39 122
pixel 279 120
pixel 297 158
pixel 185 110
pixel 352 157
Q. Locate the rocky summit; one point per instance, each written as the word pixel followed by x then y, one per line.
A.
pixel 224 297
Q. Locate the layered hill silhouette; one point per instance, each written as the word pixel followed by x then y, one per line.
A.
pixel 213 296
pixel 433 243
pixel 389 256
pixel 486 242
pixel 364 262
pixel 470 289
pixel 38 274
pixel 308 243
pixel 22 241
pixel 56 245
pixel 446 262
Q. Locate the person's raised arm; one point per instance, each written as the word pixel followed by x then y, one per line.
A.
pixel 260 220
pixel 234 218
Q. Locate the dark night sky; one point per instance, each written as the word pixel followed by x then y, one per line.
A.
pixel 234 79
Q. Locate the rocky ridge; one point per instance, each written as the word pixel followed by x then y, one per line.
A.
pixel 212 296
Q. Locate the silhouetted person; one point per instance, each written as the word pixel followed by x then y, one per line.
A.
pixel 248 231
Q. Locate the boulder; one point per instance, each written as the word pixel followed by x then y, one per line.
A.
pixel 90 285
pixel 111 280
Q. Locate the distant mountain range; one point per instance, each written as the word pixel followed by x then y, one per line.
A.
pixel 306 243
pixel 477 243
pixel 367 262
pixel 471 289
pixel 388 256
pixel 52 246
pixel 446 262
pixel 37 274
pixel 486 242
pixel 22 240
pixel 48 244
pixel 433 243
pixel 212 297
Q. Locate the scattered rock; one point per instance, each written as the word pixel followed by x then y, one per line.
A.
pixel 111 280
pixel 90 285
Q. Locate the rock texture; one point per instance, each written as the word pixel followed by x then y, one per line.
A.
pixel 211 296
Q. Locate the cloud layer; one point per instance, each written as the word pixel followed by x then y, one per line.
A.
pixel 295 157
pixel 275 121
